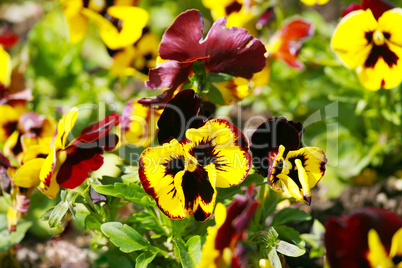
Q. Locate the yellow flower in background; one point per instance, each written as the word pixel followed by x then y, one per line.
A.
pixel 314 2
pixel 120 24
pixel 372 47
pixel 5 67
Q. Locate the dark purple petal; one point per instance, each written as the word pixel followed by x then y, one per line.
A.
pixel 346 237
pixel 78 165
pixel 95 196
pixel 378 7
pixel 233 51
pixel 5 180
pixel 31 121
pixel 267 138
pixel 182 39
pixel 181 113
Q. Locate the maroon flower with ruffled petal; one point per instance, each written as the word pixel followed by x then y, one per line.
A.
pixel 231 51
pixel 267 138
pixel 346 237
pixel 378 7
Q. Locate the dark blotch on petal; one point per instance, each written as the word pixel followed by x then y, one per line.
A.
pixel 196 184
pixel 233 7
pixel 384 52
pixel 174 165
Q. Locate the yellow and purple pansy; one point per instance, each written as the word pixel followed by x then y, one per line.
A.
pixel 277 154
pixel 369 40
pixel 366 237
pixel 223 247
pixel 225 50
pixel 69 164
pixel 182 174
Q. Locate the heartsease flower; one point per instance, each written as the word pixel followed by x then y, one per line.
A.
pixel 182 174
pixel 370 42
pixel 277 154
pixel 230 51
pixel 366 237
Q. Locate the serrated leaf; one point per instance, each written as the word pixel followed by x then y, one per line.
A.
pixel 289 249
pixel 129 191
pixel 124 237
pixel 7 239
pixel 215 96
pixel 144 259
pixel 291 235
pixel 185 258
pixel 290 214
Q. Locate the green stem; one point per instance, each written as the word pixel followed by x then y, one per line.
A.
pixel 260 207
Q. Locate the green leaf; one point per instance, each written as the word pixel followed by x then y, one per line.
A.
pixel 289 250
pixel 215 96
pixel 290 214
pixel 194 245
pixel 129 191
pixel 124 237
pixel 144 259
pixel 291 235
pixel 57 214
pixel 92 223
pixel 315 239
pixel 220 77
pixel 7 240
pixel 185 258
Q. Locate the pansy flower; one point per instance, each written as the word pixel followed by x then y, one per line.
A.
pixel 32 129
pixel 69 164
pixel 139 123
pixel 223 247
pixel 286 43
pixel 369 41
pixel 230 51
pixel 366 237
pixel 5 67
pixel 120 24
pixel 277 154
pixel 182 174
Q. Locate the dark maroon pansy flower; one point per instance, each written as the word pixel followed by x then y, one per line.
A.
pixel 96 197
pixel 224 50
pixel 269 135
pixel 8 39
pixel 5 180
pixel 182 112
pixel 378 7
pixel 346 237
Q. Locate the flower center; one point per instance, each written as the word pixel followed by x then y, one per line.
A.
pixel 378 38
pixel 191 165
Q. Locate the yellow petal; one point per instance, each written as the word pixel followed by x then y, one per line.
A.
pixel 27 175
pixel 396 245
pixel 48 174
pixel 122 61
pixel 377 255
pixel 290 185
pixel 349 40
pixel 11 143
pixel 160 167
pixel 12 219
pixel 36 151
pixel 64 127
pixel 218 142
pixel 234 90
pixel 389 22
pixel 133 20
pixel 314 2
pixel 5 67
pixel 220 215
